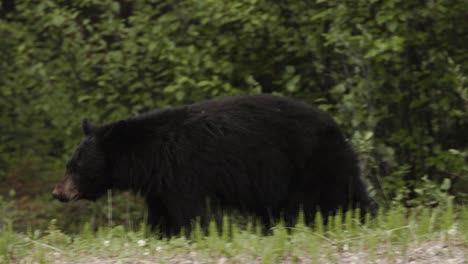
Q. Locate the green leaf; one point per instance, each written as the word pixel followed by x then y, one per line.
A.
pixel 83 98
pixel 445 186
pixel 368 135
pixel 58 20
pixel 292 85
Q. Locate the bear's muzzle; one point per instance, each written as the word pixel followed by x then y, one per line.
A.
pixel 66 190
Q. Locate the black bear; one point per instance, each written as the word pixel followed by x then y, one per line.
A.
pixel 263 155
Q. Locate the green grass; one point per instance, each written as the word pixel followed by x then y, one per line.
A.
pixel 396 235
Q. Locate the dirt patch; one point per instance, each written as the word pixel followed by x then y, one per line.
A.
pixel 447 252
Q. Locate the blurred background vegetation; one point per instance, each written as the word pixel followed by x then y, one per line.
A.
pixel 392 72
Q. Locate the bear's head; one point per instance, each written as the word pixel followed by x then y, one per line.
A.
pixel 85 176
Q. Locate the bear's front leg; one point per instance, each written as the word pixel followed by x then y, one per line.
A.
pixel 158 216
pixel 184 209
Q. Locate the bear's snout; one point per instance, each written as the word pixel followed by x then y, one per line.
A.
pixel 66 190
pixel 58 194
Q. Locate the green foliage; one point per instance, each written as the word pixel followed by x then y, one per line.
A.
pixel 54 236
pixel 6 241
pixel 337 224
pixel 197 232
pixel 463 220
pixel 430 194
pixel 391 240
pixel 225 234
pixel 318 224
pixel 7 210
pixel 425 225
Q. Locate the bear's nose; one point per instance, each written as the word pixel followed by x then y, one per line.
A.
pixel 57 194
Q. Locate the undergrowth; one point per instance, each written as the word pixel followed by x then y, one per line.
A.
pixel 388 236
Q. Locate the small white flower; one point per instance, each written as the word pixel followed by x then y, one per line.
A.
pixel 345 247
pixel 106 243
pixel 146 253
pixel 141 243
pixel 452 231
pixel 126 245
pixel 158 248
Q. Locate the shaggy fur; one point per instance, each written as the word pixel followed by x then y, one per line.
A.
pixel 264 155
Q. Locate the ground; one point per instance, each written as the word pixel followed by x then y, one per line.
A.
pixel 447 252
pixel 437 235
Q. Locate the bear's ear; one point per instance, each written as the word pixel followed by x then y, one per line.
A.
pixel 87 127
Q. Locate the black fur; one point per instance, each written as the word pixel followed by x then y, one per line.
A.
pixel 264 155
